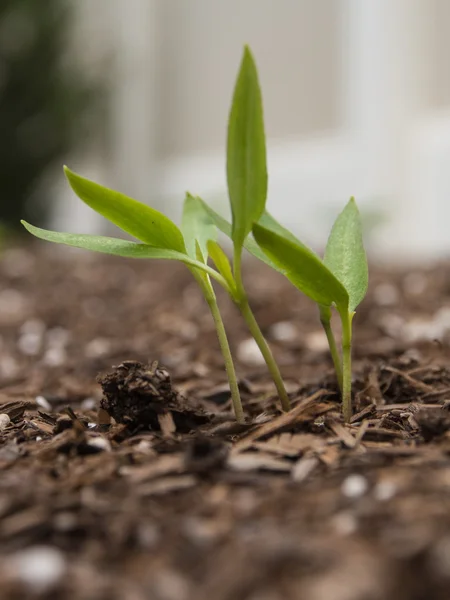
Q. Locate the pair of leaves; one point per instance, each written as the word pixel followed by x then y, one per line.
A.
pixel 340 279
pixel 162 238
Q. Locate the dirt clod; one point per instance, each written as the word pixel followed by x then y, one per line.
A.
pixel 136 394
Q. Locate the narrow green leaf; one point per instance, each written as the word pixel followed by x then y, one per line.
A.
pixel 272 224
pixel 250 245
pixel 302 267
pixel 137 219
pixel 345 255
pixel 118 247
pixel 221 261
pixel 197 226
pixel 246 151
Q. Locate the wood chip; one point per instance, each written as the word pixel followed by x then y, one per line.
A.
pixel 280 422
pixel 255 461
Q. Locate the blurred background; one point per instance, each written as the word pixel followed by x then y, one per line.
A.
pixel 135 94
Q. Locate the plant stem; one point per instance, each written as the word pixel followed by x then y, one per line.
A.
pixel 240 297
pixel 325 319
pixel 266 352
pixel 225 348
pixel 346 319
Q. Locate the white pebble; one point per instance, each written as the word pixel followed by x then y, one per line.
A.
pixel 89 404
pixel 13 305
pixel 384 490
pixel 43 403
pixel 55 357
pixel 385 294
pixel 101 443
pixel 249 353
pixel 58 337
pixel 98 347
pixel 9 367
pixel 345 523
pixel 284 331
pixel 354 486
pixel 392 324
pixel 316 341
pixel 40 568
pixel 33 326
pixel 4 421
pixel 415 283
pixel 30 343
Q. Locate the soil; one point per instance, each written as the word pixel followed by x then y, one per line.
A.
pixel 123 474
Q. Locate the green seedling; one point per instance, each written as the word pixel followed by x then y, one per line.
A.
pixel 340 280
pixel 196 242
pixel 161 239
pixel 247 192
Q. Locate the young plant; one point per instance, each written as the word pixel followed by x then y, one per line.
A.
pixel 247 184
pixel 339 280
pixel 161 239
pixel 247 192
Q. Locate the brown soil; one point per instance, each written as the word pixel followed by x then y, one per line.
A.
pixel 172 500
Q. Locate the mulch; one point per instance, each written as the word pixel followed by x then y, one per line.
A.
pixel 123 474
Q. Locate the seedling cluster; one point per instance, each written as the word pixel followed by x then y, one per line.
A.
pixel 339 280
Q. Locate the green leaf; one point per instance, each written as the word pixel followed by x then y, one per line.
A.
pixel 250 245
pixel 246 151
pixel 137 219
pixel 272 224
pixel 302 267
pixel 345 255
pixel 118 247
pixel 197 226
pixel 221 261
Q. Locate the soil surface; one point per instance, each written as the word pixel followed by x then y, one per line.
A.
pixel 124 476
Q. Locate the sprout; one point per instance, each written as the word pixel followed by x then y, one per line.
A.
pixel 196 241
pixel 339 280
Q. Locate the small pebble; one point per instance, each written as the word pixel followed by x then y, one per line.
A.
pixel 55 357
pixel 4 421
pixel 354 486
pixel 98 347
pixel 316 341
pixel 415 284
pixel 101 443
pixel 35 326
pixel 9 367
pixel 345 523
pixel 39 568
pixel 13 306
pixel 385 294
pixel 43 403
pixel 58 337
pixel 392 324
pixel 249 353
pixel 89 404
pixel 30 343
pixel 384 490
pixel 284 331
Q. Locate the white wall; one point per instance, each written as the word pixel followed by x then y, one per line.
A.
pixel 355 92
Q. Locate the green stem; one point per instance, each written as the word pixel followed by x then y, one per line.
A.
pixel 240 297
pixel 346 319
pixel 266 352
pixel 225 348
pixel 325 319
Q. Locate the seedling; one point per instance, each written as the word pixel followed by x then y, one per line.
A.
pixel 162 239
pixel 247 183
pixel 339 280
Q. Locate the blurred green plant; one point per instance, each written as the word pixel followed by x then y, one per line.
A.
pixel 43 101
